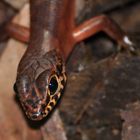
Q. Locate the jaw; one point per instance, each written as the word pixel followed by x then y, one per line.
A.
pixel 35 116
pixel 34 113
pixel 37 113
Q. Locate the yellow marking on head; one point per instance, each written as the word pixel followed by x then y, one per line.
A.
pixel 52 100
pixel 61 78
pixel 65 77
pixel 48 108
pixel 47 112
pixel 58 94
pixel 61 86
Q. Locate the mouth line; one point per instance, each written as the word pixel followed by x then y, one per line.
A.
pixel 35 115
pixel 41 110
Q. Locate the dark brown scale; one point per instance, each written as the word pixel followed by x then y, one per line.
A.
pixel 51 104
pixel 33 93
pixel 47 99
pixel 59 69
pixel 31 103
pixel 63 82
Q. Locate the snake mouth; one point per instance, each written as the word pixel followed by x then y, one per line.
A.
pixel 35 114
pixel 39 111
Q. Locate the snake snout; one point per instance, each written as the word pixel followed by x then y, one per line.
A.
pixel 35 103
pixel 33 96
pixel 32 109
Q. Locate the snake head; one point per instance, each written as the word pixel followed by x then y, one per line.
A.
pixel 39 94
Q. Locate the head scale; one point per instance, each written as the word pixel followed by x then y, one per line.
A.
pixel 39 88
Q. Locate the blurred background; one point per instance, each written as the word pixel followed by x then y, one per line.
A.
pixel 102 97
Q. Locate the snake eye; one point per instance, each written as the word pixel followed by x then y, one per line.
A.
pixel 53 85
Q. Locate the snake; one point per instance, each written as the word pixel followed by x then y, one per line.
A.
pixel 41 73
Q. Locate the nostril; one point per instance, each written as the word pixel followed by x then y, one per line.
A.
pixel 34 116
